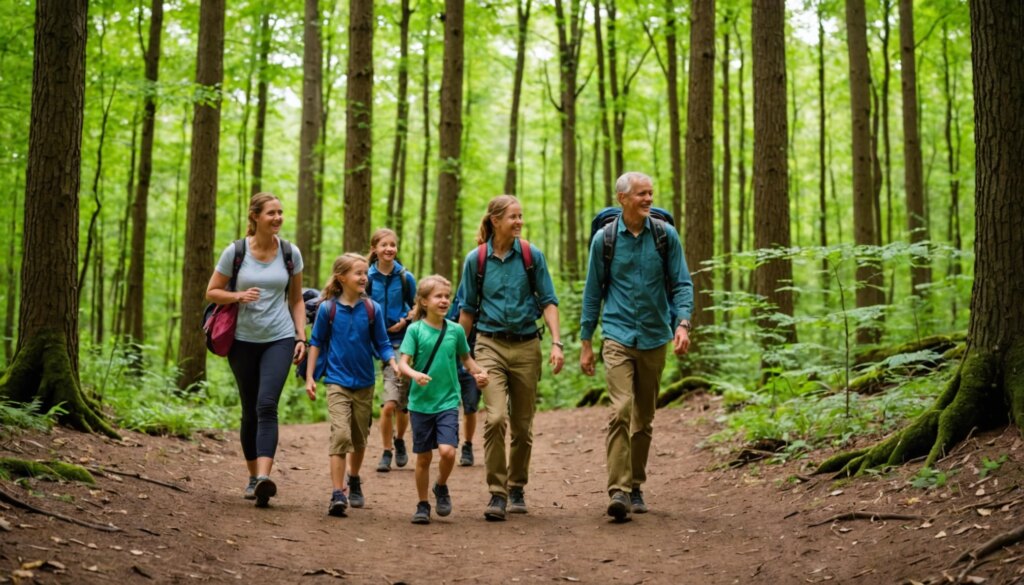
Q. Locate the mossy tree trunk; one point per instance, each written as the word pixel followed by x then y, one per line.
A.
pixel 988 388
pixel 45 364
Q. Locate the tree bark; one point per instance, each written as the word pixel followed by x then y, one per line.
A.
pixel 262 89
pixel 359 126
pixel 309 132
pixel 826 278
pixel 700 206
pixel 771 173
pixel 449 138
pixel 421 261
pixel 951 128
pixel 726 210
pixel 201 214
pixel 741 170
pixel 869 274
pixel 913 180
pixel 674 123
pixel 12 280
pixel 396 183
pixel 613 79
pixel 135 300
pixel 522 21
pixel 570 35
pixel 606 135
pixel 45 364
pixel 886 142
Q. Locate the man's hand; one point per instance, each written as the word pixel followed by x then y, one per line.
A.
pixel 311 388
pixel 681 341
pixel 587 357
pixel 557 359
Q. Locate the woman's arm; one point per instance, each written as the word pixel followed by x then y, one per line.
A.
pixel 217 291
pixel 298 308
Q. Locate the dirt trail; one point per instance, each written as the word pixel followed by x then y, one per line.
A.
pixel 731 526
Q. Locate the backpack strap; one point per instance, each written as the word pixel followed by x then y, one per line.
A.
pixel 659 231
pixel 531 271
pixel 481 267
pixel 236 265
pixel 370 314
pixel 289 264
pixel 608 234
pixel 407 292
pixel 437 345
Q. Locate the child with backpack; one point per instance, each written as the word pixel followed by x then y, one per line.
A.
pixel 428 358
pixel 349 332
pixel 393 288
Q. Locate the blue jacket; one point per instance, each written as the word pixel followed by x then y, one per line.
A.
pixel 350 357
pixel 386 289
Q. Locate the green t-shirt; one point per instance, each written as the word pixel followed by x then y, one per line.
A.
pixel 442 393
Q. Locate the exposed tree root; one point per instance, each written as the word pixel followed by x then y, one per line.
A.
pixel 138 476
pixel 866 516
pixel 593 397
pixel 1007 538
pixel 675 391
pixel 51 469
pixel 41 368
pixel 6 497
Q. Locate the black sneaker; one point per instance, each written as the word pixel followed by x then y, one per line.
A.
pixel 401 456
pixel 422 515
pixel 385 462
pixel 495 510
pixel 250 490
pixel 618 507
pixel 466 460
pixel 338 504
pixel 264 489
pixel 636 501
pixel 516 500
pixel 355 492
pixel 443 499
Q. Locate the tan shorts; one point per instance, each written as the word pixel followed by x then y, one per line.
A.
pixel 395 391
pixel 350 412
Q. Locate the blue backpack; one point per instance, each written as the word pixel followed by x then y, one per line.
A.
pixel 608 218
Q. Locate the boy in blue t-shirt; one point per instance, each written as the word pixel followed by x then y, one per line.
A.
pixel 428 357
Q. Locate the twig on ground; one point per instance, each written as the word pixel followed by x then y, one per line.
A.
pixel 997 542
pixel 867 516
pixel 26 506
pixel 138 476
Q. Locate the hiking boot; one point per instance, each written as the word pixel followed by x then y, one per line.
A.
pixel 495 510
pixel 338 504
pixel 618 507
pixel 264 489
pixel 443 499
pixel 401 456
pixel 516 500
pixel 385 462
pixel 422 515
pixel 250 490
pixel 636 501
pixel 355 492
pixel 466 460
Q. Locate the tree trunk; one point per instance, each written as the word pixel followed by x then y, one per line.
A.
pixel 45 364
pixel 261 106
pixel 613 79
pixel 726 171
pixel 201 215
pixel 309 131
pixel 450 138
pixel 826 278
pixel 570 36
pixel 396 182
pixel 952 126
pixel 118 286
pixel 135 301
pixel 313 266
pixel 771 172
pixel 913 181
pixel 11 279
pixel 886 144
pixel 359 126
pixel 606 136
pixel 741 171
pixel 700 206
pixel 674 123
pixel 988 388
pixel 869 274
pixel 421 261
pixel 523 21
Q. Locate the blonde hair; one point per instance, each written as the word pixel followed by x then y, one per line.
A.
pixel 425 288
pixel 495 208
pixel 342 265
pixel 375 239
pixel 256 203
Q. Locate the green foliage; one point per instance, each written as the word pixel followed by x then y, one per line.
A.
pixel 990 465
pixel 52 470
pixel 931 478
pixel 16 415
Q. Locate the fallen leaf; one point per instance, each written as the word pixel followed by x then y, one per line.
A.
pixel 984 512
pixel 974 579
pixel 58 540
pixel 136 552
pixel 141 571
pixel 961 530
pixel 93 569
pixel 941 534
pixel 836 493
pixel 572 579
pixel 56 565
pixel 28 566
pixel 21 574
pixel 4 524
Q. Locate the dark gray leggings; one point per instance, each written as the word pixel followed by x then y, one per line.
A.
pixel 260 370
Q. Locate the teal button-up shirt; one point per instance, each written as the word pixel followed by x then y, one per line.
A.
pixel 508 304
pixel 637 311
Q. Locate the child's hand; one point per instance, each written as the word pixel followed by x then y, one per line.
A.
pixel 421 378
pixel 311 389
pixel 481 378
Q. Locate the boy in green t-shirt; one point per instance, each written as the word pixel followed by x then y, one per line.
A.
pixel 429 350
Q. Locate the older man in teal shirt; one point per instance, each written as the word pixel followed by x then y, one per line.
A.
pixel 644 309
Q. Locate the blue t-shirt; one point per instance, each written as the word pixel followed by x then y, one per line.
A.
pixel 350 356
pixel 387 290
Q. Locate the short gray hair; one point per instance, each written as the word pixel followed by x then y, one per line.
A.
pixel 624 184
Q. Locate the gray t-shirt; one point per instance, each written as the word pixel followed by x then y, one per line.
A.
pixel 267 319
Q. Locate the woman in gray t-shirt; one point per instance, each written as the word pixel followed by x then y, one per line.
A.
pixel 270 333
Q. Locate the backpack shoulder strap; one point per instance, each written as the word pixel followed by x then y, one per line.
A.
pixel 659 232
pixel 236 264
pixel 608 234
pixel 289 262
pixel 370 312
pixel 531 272
pixel 403 275
pixel 481 267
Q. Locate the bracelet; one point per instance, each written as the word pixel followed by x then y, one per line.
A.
pixel 685 325
pixel 302 341
pixel 558 344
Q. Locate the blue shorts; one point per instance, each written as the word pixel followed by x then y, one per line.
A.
pixel 431 430
pixel 470 391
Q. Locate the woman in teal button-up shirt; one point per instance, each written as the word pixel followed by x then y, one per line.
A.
pixel 508 345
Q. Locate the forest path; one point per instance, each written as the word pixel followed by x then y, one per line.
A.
pixel 705 526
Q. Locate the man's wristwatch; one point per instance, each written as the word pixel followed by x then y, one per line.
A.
pixel 685 324
pixel 558 344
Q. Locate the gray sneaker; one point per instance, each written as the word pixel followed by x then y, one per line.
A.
pixel 636 501
pixel 516 500
pixel 495 510
pixel 401 456
pixel 422 515
pixel 618 507
pixel 443 499
pixel 355 492
pixel 250 490
pixel 385 462
pixel 466 460
pixel 264 489
pixel 338 504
